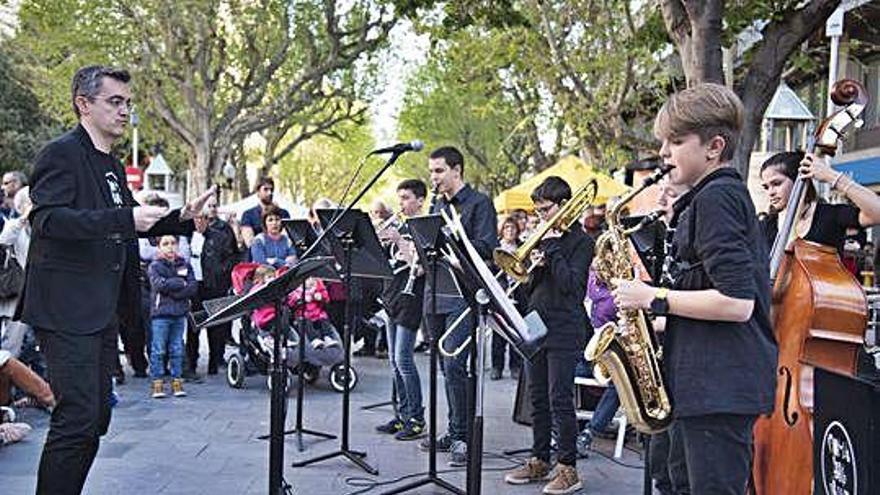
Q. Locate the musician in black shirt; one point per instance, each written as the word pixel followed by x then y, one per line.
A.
pixel 556 290
pixel 720 353
pixel 446 166
pixel 820 222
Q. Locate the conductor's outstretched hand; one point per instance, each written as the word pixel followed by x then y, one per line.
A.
pixel 191 209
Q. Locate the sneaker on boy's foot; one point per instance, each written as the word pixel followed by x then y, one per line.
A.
pixel 566 481
pixel 390 427
pixel 317 343
pixel 458 454
pixel 443 444
pixel 412 429
pixel 158 389
pixel 330 341
pixel 177 388
pixel 583 442
pixel 533 470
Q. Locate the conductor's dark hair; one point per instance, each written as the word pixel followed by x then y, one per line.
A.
pixel 415 186
pixel 87 81
pixel 553 189
pixel 451 155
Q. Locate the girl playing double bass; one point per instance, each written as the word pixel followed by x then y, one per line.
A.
pixel 820 222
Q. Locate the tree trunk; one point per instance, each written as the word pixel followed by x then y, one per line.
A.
pixel 755 104
pixel 199 172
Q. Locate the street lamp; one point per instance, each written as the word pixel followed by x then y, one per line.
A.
pixel 228 172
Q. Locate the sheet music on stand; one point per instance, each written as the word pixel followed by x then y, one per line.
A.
pixel 368 259
pixel 524 333
pixel 303 235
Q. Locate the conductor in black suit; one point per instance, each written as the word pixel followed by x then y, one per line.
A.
pixel 81 278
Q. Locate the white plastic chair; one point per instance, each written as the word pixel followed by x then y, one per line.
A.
pixel 619 417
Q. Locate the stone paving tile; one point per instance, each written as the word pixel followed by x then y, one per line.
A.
pixel 207 443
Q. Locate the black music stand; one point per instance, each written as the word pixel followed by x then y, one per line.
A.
pixel 483 291
pixel 428 241
pixel 356 248
pixel 275 293
pixel 302 236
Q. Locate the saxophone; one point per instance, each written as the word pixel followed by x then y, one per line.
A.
pixel 624 351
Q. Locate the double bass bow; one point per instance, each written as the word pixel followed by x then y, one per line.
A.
pixel 819 313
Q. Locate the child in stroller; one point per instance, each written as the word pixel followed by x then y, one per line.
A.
pixel 256 337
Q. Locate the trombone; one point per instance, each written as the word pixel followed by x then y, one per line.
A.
pixel 515 264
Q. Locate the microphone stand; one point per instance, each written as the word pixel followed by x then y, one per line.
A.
pixel 475 450
pixel 355 457
pixel 431 256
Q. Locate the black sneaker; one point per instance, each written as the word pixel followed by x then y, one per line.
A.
pixel 412 430
pixel 444 443
pixel 191 376
pixel 391 427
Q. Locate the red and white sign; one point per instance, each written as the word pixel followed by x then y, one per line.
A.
pixel 135 178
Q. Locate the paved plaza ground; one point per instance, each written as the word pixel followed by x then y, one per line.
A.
pixel 207 443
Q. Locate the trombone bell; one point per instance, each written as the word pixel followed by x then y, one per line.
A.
pixel 511 265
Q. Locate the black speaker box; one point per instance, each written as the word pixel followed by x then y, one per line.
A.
pixel 846 435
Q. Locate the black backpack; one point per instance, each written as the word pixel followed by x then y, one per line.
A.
pixel 11 274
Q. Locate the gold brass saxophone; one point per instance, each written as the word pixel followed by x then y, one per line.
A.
pixel 516 264
pixel 624 351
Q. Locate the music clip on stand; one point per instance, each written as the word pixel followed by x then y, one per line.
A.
pixel 356 248
pixel 275 292
pixel 428 241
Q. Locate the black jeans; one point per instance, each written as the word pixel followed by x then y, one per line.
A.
pixel 551 374
pixel 499 349
pixel 668 465
pixel 459 387
pixel 79 367
pixel 216 334
pixel 718 450
pixel 134 343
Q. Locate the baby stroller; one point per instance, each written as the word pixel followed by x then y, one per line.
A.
pixel 254 354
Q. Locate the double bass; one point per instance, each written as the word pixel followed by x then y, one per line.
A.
pixel 819 317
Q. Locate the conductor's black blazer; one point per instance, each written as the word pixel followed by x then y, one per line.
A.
pixel 82 262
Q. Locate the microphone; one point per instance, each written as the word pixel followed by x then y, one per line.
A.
pixel 400 148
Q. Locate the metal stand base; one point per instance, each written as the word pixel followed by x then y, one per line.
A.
pixel 299 430
pixel 352 455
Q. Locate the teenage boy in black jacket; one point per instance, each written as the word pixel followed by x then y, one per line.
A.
pixel 556 291
pixel 405 313
pixel 719 353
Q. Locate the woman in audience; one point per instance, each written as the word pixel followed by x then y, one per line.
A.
pixel 272 246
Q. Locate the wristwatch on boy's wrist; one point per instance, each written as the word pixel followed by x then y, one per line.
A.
pixel 660 304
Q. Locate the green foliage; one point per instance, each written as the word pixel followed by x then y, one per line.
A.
pixel 458 98
pixel 24 127
pixel 207 73
pixel 322 166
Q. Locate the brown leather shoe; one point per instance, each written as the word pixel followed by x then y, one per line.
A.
pixel 566 481
pixel 533 470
